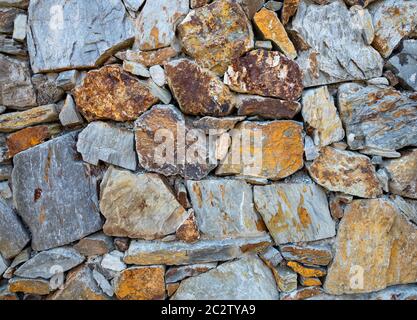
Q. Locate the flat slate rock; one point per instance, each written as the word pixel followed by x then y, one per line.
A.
pixel 57 201
pixel 82 33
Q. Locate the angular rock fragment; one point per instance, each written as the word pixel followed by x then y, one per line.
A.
pixel 58 201
pixel 11 47
pixel 158 75
pixel 320 255
pixel 404 65
pixel 136 69
pixel 69 115
pixel 151 58
pixel 407 206
pixel 294 212
pixel 103 283
pixel 216 34
pixel 250 6
pixel 273 5
pixel 363 3
pixel 286 278
pixel 218 125
pixel 48 92
pixel 113 262
pixel 141 283
pixel 198 90
pixel 111 93
pixel 347 172
pixel 83 34
pixel 378 120
pixel 302 293
pixel 271 256
pixel 289 8
pixel 108 143
pixel 176 274
pixel 139 205
pixel 188 231
pixel 198 3
pixel 7 16
pixel 306 271
pixel 97 244
pixel 39 287
pixel 172 288
pixel 271 28
pixel 203 251
pixel 19 27
pixel 263 44
pixel 224 208
pixel 310 282
pixel 375 245
pixel 3 265
pixel 67 80
pixel 334 50
pixel 5 171
pixel 278 149
pixel 245 279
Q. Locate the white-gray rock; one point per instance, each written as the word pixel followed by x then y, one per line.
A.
pixel 69 115
pixel 136 68
pixel 404 65
pixel 176 274
pixel 161 93
pixel 3 265
pixel 113 261
pixel 158 75
pixel 5 171
pixel 20 25
pixel 103 283
pixel 67 80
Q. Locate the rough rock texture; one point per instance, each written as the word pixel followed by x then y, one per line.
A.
pixel 151 58
pixel 111 93
pixel 378 120
pixel 294 212
pixel 325 57
pixel 7 16
pixel 175 274
pixel 139 205
pixel 266 73
pixel 83 34
pixel 97 244
pixel 198 90
pixel 58 201
pixel 289 8
pixel 286 278
pixel 404 65
pixel 216 34
pixel 347 172
pixel 69 115
pixel 188 231
pixel 307 254
pixel 47 89
pixel 374 242
pixel 29 286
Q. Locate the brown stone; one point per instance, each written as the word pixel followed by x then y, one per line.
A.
pixel 267 108
pixel 150 58
pixel 172 288
pixel 289 9
pixel 141 283
pixel 266 73
pixel 94 245
pixel 347 172
pixel 111 93
pixel 30 286
pixel 268 24
pixel 305 271
pixel 375 248
pixel 337 204
pixel 188 231
pixel 310 282
pixel 302 294
pixel 216 34
pixel 307 254
pixel 362 3
pixel 198 90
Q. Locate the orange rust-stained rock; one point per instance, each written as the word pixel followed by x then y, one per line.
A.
pixel 308 254
pixel 277 150
pixel 347 172
pixel 266 73
pixel 216 34
pixel 188 231
pixel 29 286
pixel 150 58
pixel 172 288
pixel 141 283
pixel 310 282
pixel 307 272
pixel 289 8
pixel 337 203
pixel 110 93
pixel 271 28
pixel 198 90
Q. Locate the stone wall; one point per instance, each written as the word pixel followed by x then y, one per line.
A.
pixel 195 149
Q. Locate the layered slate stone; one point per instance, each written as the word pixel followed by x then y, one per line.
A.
pixel 378 120
pixel 265 73
pixel 110 93
pixel 198 90
pixel 224 208
pixel 13 235
pixel 335 49
pixel 151 58
pixel 139 205
pixel 83 34
pixel 175 274
pixel 404 65
pixel 30 286
pixel 294 212
pixel 244 279
pixel 216 34
pixel 345 171
pixel 374 242
pixel 97 244
pixel 392 20
pixel 312 254
pixel 275 150
pixel 286 278
pixel 157 21
pixel 57 201
pixel 108 143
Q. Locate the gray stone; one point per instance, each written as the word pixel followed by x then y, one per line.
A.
pixel 180 253
pixel 286 278
pixel 103 283
pixel 5 171
pixel 294 212
pixel 404 65
pixel 158 75
pixel 16 88
pixel 378 120
pixel 264 44
pixel 5 191
pixel 67 80
pixel 224 208
pixel 57 201
pixel 113 261
pixel 380 81
pixel 12 47
pixel 3 265
pixel 245 279
pixel 161 93
pixel 19 28
pixel 46 88
pixel 7 16
pixel 96 244
pixel 308 254
pixel 273 5
pixel 69 115
pixel 136 68
pixel 108 143
pixel 407 206
pixel 335 49
pixel 271 256
pixel 83 34
pixel 176 274
pixel 21 258
pixel 311 151
pixel 13 236
pixel 47 263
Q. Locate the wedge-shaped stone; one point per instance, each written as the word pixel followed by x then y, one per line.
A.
pixel 82 33
pixel 334 50
pixel 378 120
pixel 216 34
pixel 58 200
pixel 294 212
pixel 176 274
pixel 286 278
pixel 203 251
pixel 139 205
pixel 289 8
pixel 345 171
pixel 39 287
pixel 245 279
pixel 307 254
pixel 376 244
pixel 278 150
pixel 111 93
pixel 150 58
pixel 198 90
pixel 7 16
pixel 97 244
pixel 224 208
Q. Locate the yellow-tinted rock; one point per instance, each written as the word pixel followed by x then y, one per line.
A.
pixel 150 58
pixel 272 29
pixel 141 283
pixel 172 288
pixel 29 286
pixel 375 248
pixel 310 282
pixel 307 272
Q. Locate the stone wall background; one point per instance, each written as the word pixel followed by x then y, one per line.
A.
pixel 87 211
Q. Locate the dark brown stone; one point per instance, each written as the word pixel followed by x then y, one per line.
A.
pixel 267 108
